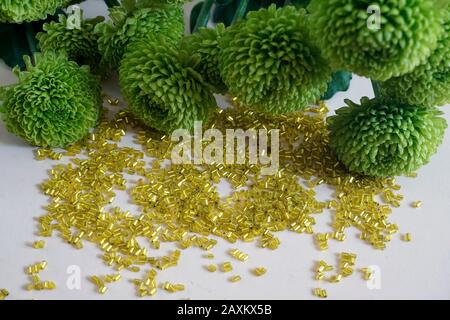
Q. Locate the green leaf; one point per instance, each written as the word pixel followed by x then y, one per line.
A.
pixel 20 39
pixel 195 12
pixel 14 43
pixel 340 82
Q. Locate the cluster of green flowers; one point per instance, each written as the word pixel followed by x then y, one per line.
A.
pixel 276 60
pixel 392 48
pixel 399 130
pixel 429 83
pixel 268 61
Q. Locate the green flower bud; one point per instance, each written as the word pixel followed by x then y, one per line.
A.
pixel 127 26
pixel 161 86
pixel 205 44
pixel 80 44
pixel 429 83
pixel 54 104
pixel 269 61
pixel 383 138
pixel 348 34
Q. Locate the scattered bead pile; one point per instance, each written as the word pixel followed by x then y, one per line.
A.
pixel 148 286
pixel 181 203
pixel 36 283
pixel 346 263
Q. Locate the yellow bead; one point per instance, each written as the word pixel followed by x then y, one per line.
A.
pixel 336 278
pixel 407 237
pixel 417 204
pixel 3 294
pixel 35 278
pixel 321 293
pixel 211 268
pixel 239 255
pixel 260 271
pixel 113 101
pixel 39 244
pixel 172 288
pixel 319 276
pixel 226 267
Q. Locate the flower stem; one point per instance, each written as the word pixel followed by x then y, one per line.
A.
pixel 29 33
pixel 376 88
pixel 240 11
pixel 203 16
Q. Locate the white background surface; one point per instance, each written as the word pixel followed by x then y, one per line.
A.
pixel 416 270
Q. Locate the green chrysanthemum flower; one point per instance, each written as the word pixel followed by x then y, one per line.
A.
pixel 128 26
pixel 384 138
pixel 162 87
pixel 270 63
pixel 80 44
pixel 54 104
pixel 351 40
pixel 428 84
pixel 205 44
pixel 18 11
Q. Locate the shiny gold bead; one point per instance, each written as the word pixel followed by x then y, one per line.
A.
pixel 239 255
pixel 39 244
pixel 172 288
pixel 211 268
pixel 113 278
pixel 3 294
pixel 319 275
pixel 336 278
pixel 260 271
pixel 226 267
pixel 321 293
pixel 417 204
pixel 35 278
pixel 407 237
pixel 113 101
